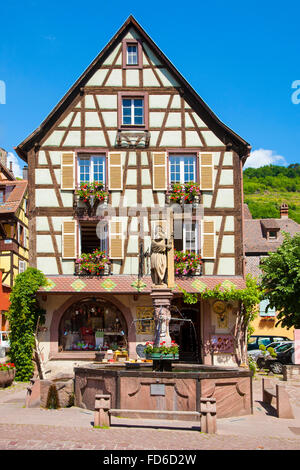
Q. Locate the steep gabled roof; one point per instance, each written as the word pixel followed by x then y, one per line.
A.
pixel 224 133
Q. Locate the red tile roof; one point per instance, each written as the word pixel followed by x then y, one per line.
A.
pixel 127 284
pixel 15 198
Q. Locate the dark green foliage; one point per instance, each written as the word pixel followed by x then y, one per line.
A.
pixel 23 316
pixel 267 187
pixel 281 281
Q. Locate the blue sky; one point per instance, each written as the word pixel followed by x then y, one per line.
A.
pixel 241 57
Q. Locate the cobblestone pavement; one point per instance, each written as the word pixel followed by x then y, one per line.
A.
pixel 71 429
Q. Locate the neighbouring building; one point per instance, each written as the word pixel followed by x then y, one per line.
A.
pixel 13 232
pixel 264 236
pixel 132 124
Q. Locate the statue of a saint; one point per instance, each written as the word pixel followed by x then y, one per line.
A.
pixel 159 248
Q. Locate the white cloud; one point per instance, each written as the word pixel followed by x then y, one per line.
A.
pixel 16 165
pixel 263 157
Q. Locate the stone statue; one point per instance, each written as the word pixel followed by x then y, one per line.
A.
pixel 162 316
pixel 159 248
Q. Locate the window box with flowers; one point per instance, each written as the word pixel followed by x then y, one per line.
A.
pixel 7 374
pixel 187 264
pixel 187 193
pixel 92 193
pixel 161 352
pixel 96 263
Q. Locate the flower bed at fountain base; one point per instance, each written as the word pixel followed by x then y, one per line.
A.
pixel 176 390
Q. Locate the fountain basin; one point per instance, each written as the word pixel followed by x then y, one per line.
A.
pixel 178 390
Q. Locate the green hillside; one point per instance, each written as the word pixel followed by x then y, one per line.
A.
pixel 267 187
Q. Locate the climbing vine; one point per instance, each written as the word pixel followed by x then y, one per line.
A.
pixel 23 316
pixel 188 297
pixel 248 299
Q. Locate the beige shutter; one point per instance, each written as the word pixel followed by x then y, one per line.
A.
pixel 159 163
pixel 208 238
pixel 68 170
pixel 116 240
pixel 115 173
pixel 69 239
pixel 206 166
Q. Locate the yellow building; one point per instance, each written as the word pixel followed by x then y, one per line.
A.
pixel 13 227
pixel 263 236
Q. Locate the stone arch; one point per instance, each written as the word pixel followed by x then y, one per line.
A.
pixel 58 314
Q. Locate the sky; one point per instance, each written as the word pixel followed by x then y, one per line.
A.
pixel 242 58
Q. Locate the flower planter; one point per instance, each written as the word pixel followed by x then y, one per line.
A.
pixel 7 377
pixel 162 357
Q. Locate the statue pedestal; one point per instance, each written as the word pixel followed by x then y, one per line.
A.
pixel 161 298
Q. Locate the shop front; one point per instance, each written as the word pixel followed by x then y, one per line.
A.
pixel 93 324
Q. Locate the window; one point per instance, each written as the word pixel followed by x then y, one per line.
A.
pixel 133 111
pixel 189 240
pixel 272 235
pixel 1 196
pixel 93 236
pixel 132 54
pixel 91 169
pixel 22 266
pixel 264 312
pixel 182 168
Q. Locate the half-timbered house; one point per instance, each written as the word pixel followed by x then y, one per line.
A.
pixel 132 124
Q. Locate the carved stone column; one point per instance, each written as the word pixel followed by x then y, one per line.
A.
pixel 161 299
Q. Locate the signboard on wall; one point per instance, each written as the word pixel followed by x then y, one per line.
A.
pixel 145 323
pixel 222 343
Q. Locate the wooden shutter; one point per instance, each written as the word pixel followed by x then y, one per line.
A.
pixel 116 240
pixel 206 166
pixel 115 173
pixel 159 163
pixel 68 170
pixel 69 239
pixel 208 239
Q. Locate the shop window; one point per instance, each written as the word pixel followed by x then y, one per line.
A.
pixel 92 325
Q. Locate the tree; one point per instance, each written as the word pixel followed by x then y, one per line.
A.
pixel 23 315
pixel 281 281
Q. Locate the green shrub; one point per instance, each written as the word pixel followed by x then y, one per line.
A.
pixel 23 316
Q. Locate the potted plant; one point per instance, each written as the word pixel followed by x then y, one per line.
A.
pixel 93 264
pixel 7 374
pixel 161 352
pixel 176 194
pixel 187 264
pixel 187 193
pixel 92 191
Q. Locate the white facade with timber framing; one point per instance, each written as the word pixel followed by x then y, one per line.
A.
pixel 132 122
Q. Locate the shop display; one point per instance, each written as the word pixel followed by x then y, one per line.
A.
pixel 93 325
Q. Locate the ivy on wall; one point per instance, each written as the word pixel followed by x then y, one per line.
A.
pixel 23 316
pixel 248 299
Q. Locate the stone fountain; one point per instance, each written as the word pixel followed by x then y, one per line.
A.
pixel 177 387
